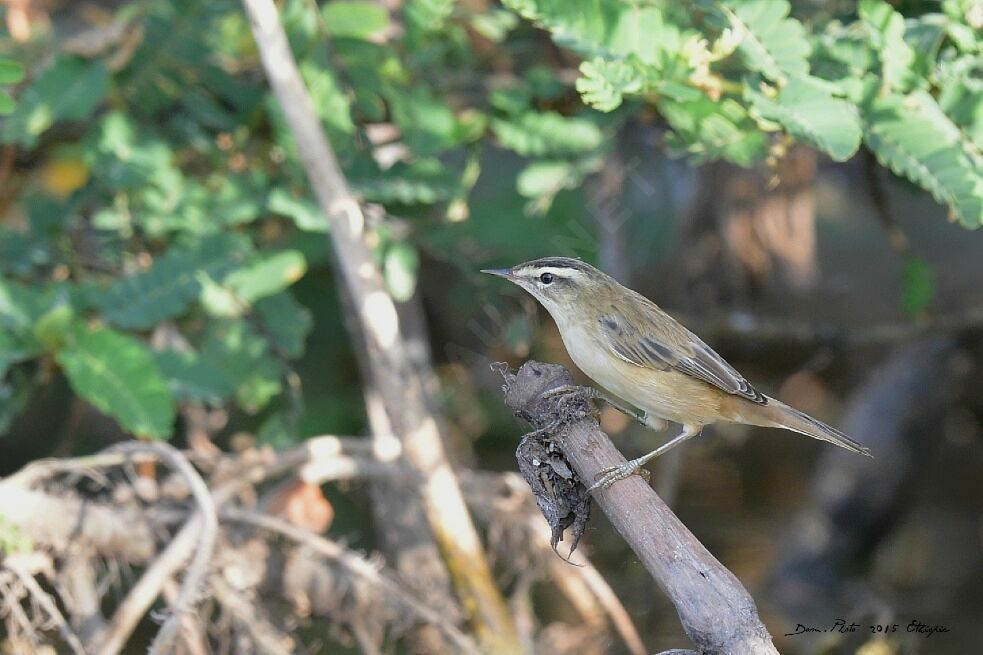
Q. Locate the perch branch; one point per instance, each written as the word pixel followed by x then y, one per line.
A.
pixel 389 365
pixel 715 610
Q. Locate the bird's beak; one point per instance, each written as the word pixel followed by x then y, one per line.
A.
pixel 499 272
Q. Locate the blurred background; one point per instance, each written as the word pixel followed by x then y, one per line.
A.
pixel 165 272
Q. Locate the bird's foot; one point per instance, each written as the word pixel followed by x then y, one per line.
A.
pixel 608 476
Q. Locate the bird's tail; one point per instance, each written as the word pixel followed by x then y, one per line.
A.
pixel 779 415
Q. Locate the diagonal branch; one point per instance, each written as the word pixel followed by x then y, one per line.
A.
pixel 716 611
pixel 389 365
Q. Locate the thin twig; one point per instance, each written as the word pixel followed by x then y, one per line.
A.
pixel 44 600
pixel 354 563
pixel 388 365
pixel 201 528
pixel 266 638
pixel 613 607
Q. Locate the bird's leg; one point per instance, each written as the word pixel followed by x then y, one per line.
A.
pixel 591 392
pixel 612 474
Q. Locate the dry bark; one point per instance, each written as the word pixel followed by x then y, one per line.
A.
pixel 716 611
pixel 390 371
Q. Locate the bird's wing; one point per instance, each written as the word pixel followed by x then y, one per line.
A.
pixel 655 340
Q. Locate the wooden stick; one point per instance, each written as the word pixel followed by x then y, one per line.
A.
pixel 716 611
pixel 390 365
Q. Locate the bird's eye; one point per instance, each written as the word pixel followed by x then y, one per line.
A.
pixel 546 278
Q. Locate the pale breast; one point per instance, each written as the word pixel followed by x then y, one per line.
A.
pixel 666 394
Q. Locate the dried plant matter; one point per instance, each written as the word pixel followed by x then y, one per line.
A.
pixel 234 587
pixel 264 576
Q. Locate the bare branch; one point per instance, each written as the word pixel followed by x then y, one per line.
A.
pixel 389 365
pixel 201 529
pixel 716 611
pixel 266 639
pixel 42 598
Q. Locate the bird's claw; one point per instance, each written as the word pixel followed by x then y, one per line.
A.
pixel 611 474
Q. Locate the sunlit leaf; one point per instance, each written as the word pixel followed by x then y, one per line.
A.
pixel 11 72
pixel 603 84
pixel 118 375
pixel 771 42
pixel 69 90
pixel 171 284
pixel 806 107
pixel 286 321
pixel 268 275
pixel 354 18
pixel 399 269
pixel 913 137
pixel 887 31
pixel 189 377
pixel 245 358
pixel 305 214
pixel 541 134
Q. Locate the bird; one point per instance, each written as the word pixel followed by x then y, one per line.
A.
pixel 636 351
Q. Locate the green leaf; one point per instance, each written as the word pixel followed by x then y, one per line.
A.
pixel 6 103
pixel 171 284
pixel 268 275
pixel 919 286
pixel 21 309
pixel 805 107
pixel 545 178
pixel 887 29
pixel 704 130
pixel 545 134
pixel 772 43
pixel 71 89
pixel 189 377
pixel 305 214
pixel 910 135
pixel 53 328
pixel 331 103
pixel 419 183
pixel 399 269
pixel 11 72
pixel 603 84
pixel 961 95
pixel 353 18
pixel 287 322
pixel 428 15
pixel 242 356
pixel 118 375
pixel 14 394
pixel 599 28
pixel 428 124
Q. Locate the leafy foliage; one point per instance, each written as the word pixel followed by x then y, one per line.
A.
pixel 806 107
pixel 163 218
pixel 11 72
pixel 739 73
pixel 171 284
pixel 913 137
pixel 117 374
pixel 69 90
